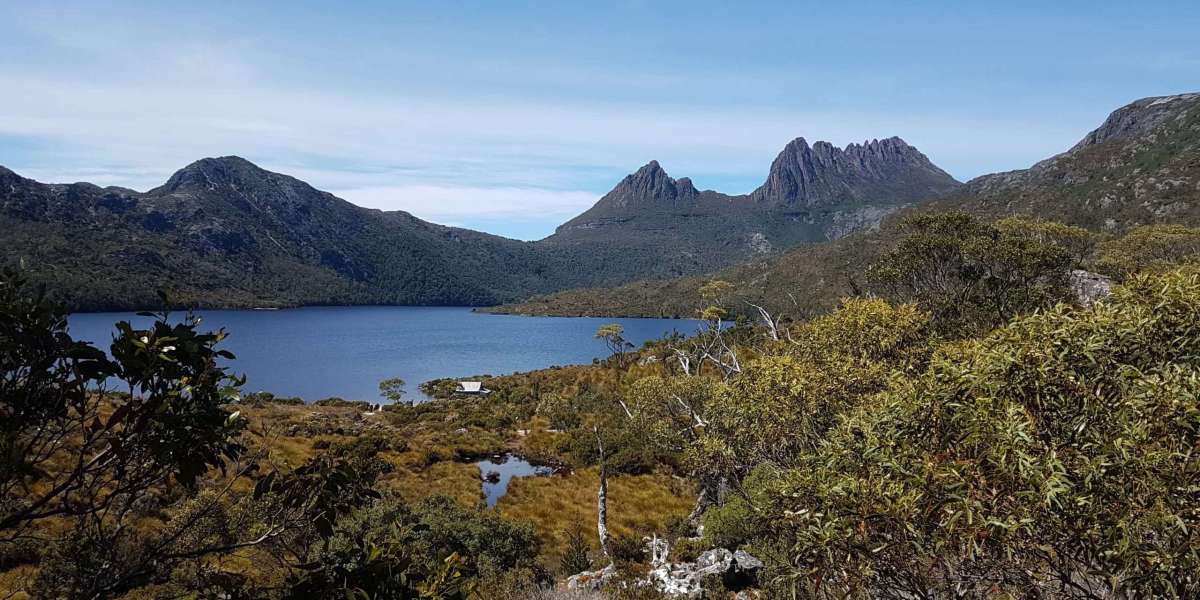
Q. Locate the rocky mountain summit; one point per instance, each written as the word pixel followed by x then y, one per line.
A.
pixel 650 185
pixel 1138 118
pixel 823 175
pixel 659 226
pixel 821 178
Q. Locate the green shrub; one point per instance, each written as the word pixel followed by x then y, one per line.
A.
pixel 1148 249
pixel 335 402
pixel 575 556
pixel 627 548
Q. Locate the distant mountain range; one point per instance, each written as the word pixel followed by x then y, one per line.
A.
pixel 1141 166
pixel 223 232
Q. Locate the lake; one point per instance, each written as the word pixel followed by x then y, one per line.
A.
pixel 319 352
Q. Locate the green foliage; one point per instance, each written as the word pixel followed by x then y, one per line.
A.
pixel 784 402
pixel 336 402
pixel 440 388
pixel 1055 456
pixel 1077 242
pixel 613 335
pixel 260 399
pixel 392 389
pixel 433 549
pixel 1149 248
pixel 575 556
pixel 971 276
pixel 73 451
pixel 627 549
pixel 171 425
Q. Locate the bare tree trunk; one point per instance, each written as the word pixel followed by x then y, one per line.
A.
pixel 703 501
pixel 771 323
pixel 602 500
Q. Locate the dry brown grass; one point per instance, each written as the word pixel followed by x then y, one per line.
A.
pixel 15 580
pixel 637 505
pixel 460 481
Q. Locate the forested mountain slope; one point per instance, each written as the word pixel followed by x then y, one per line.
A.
pixel 223 232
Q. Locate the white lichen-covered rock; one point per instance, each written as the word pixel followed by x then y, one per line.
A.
pixel 591 580
pixel 1088 287
pixel 687 579
pixel 744 561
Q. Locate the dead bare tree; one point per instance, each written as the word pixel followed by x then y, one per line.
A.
pixel 771 323
pixel 602 499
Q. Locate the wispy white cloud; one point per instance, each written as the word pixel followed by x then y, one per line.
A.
pixel 458 204
pixel 149 100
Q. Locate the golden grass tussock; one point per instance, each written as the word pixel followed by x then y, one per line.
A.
pixel 637 505
pixel 460 481
pixel 13 581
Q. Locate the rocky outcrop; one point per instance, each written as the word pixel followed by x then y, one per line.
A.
pixel 649 185
pixel 1088 287
pixel 866 218
pixel 1137 119
pixel 592 580
pixel 886 171
pixel 737 570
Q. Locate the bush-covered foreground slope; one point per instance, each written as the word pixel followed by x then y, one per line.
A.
pixel 976 432
pixel 1141 167
pixel 1053 457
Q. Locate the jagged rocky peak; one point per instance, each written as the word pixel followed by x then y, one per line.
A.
pixel 1139 117
pixel 823 174
pixel 649 184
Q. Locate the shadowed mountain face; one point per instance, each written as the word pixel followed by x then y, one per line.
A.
pixel 1141 166
pixel 224 232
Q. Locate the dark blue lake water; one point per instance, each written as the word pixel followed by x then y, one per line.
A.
pixel 320 352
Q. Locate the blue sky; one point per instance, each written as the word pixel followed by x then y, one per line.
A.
pixel 512 117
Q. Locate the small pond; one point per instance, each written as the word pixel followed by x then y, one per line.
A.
pixel 497 471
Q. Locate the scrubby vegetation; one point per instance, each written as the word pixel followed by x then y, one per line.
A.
pixel 964 427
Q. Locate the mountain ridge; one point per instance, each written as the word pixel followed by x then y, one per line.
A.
pixel 658 226
pixel 1140 166
pixel 224 232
